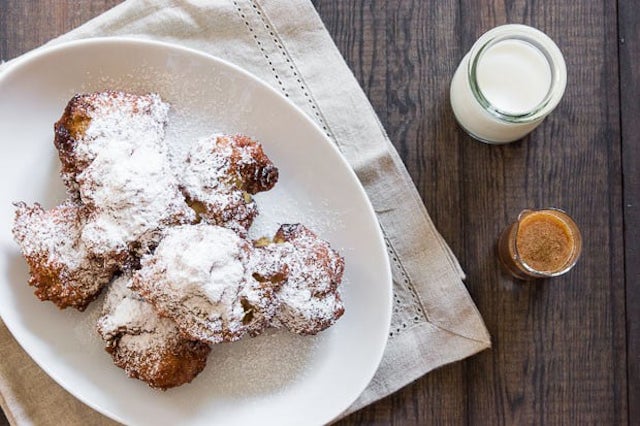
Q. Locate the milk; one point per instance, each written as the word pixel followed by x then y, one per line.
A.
pixel 512 78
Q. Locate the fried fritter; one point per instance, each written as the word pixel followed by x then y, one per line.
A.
pixel 220 175
pixel 94 122
pixel 147 346
pixel 116 162
pixel 200 276
pixel 62 269
pixel 183 285
pixel 309 299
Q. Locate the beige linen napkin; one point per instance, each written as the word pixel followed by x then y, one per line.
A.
pixel 284 43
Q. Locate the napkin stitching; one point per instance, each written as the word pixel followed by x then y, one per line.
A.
pixel 262 49
pixel 394 258
pixel 451 259
pixel 268 24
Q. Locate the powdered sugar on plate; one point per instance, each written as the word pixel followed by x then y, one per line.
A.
pixel 184 127
pixel 266 364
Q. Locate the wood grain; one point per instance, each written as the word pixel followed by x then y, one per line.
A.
pixel 565 350
pixel 25 25
pixel 557 344
pixel 629 48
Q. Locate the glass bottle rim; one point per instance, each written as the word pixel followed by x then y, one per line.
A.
pixel 538 40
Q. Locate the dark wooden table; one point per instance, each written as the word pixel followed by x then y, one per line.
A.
pixel 565 351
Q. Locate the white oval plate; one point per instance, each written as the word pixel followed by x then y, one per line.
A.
pixel 277 378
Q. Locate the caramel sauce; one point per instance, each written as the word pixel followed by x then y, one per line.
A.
pixel 544 241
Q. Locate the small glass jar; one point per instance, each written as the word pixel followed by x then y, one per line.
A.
pixel 541 243
pixel 511 79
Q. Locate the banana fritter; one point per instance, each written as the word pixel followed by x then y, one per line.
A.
pixel 220 175
pixel 115 161
pixel 147 346
pixel 62 269
pixel 202 277
pixel 308 301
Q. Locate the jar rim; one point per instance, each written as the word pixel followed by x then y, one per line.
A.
pixel 538 40
pixel 575 233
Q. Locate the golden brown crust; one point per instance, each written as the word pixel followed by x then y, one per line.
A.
pixel 62 271
pixel 251 170
pixel 70 130
pixel 67 130
pixel 147 346
pixel 318 254
pixel 172 366
pixel 233 209
pixel 221 173
pixel 309 298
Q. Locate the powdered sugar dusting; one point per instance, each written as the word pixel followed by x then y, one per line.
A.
pixel 146 345
pixel 287 204
pixel 207 177
pixel 122 119
pixel 62 269
pixel 267 364
pixel 204 173
pixel 192 118
pixel 130 186
pixel 198 276
pixel 219 176
pixel 128 183
pixel 309 299
pixel 53 234
pixel 204 266
pixel 127 315
pixel 137 196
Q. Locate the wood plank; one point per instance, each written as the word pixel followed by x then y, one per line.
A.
pixel 530 374
pixel 556 344
pixel 28 24
pixel 629 45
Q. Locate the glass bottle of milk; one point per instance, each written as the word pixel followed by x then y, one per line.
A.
pixel 511 79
